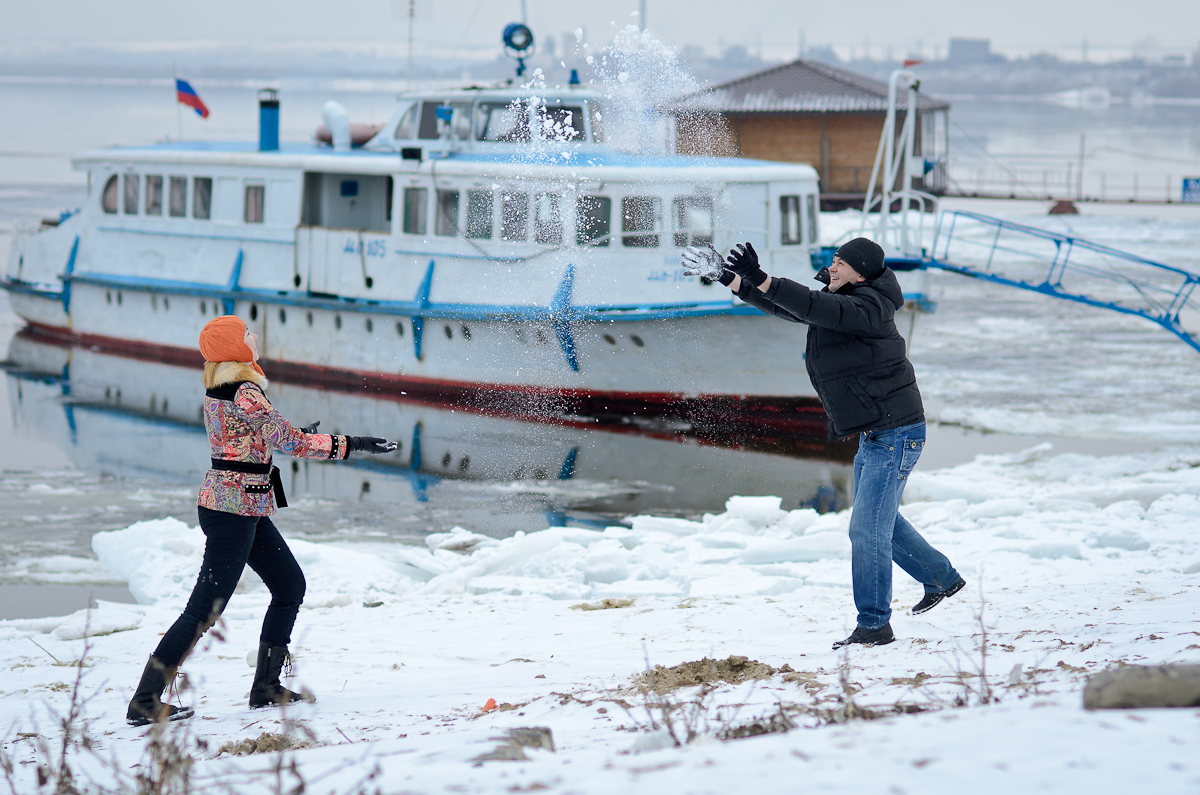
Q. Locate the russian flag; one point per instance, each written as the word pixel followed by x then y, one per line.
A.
pixel 187 95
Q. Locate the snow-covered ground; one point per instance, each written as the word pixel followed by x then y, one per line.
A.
pixel 1077 564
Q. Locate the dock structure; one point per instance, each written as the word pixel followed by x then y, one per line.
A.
pixel 808 112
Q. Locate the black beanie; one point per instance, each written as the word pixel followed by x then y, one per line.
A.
pixel 865 256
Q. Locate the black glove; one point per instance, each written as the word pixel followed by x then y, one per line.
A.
pixel 744 262
pixel 369 444
pixel 311 428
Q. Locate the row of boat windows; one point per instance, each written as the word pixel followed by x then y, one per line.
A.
pixel 126 192
pixel 495 121
pixel 542 216
pixel 641 218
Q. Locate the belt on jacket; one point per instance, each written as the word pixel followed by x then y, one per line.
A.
pixel 225 465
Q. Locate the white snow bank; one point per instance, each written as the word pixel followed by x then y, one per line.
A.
pixel 719 554
pixel 1032 504
pixel 161 558
pixel 105 619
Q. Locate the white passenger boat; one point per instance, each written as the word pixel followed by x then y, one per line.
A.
pixel 485 248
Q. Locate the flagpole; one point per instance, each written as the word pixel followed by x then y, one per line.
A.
pixel 175 88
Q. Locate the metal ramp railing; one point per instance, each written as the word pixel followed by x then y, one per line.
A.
pixel 1066 267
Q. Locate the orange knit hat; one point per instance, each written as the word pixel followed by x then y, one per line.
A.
pixel 223 339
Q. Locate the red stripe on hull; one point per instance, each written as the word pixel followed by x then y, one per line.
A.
pixel 789 425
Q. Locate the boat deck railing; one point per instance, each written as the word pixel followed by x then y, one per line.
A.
pixel 1069 268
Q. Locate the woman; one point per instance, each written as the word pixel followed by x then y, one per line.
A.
pixel 236 500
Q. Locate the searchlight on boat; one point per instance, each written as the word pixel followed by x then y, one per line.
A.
pixel 518 44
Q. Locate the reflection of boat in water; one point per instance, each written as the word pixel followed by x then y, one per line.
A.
pixel 133 417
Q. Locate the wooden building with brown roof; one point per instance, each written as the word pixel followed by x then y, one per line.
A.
pixel 807 112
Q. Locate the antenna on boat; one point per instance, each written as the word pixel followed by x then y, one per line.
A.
pixel 518 43
pixel 412 13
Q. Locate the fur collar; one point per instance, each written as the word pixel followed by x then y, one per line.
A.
pixel 220 373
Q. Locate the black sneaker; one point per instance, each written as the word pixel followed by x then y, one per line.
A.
pixel 869 637
pixel 931 600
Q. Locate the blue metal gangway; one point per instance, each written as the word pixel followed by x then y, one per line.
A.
pixel 1065 267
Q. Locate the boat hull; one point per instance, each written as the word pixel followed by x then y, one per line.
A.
pixel 648 390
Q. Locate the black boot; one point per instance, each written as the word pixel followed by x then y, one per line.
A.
pixel 147 706
pixel 869 637
pixel 931 600
pixel 266 690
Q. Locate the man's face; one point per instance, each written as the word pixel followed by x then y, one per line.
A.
pixel 840 274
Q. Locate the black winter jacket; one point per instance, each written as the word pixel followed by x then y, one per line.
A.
pixel 855 356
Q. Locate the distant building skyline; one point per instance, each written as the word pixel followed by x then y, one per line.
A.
pixel 1098 30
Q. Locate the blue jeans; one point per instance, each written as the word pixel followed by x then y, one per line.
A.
pixel 879 534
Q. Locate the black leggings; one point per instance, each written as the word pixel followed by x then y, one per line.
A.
pixel 232 542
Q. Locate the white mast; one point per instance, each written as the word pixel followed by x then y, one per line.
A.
pixel 898 167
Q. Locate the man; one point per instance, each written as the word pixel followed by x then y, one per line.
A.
pixel 856 360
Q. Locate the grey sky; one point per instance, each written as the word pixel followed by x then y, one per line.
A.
pixel 1014 26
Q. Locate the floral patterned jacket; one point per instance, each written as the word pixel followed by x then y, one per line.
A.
pixel 243 426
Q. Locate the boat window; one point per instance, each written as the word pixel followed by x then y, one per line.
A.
pixel 593 223
pixel 153 194
pixel 132 191
pixel 789 221
pixel 460 122
pixel 108 197
pixel 406 130
pixel 501 121
pixel 255 199
pixel 641 214
pixel 547 218
pixel 446 224
pixel 509 122
pixel 202 198
pixel 693 221
pixel 479 214
pixel 178 197
pixel 561 123
pixel 415 202
pixel 811 202
pixel 514 216
pixel 597 120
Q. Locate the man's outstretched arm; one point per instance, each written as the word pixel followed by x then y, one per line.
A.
pixel 859 315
